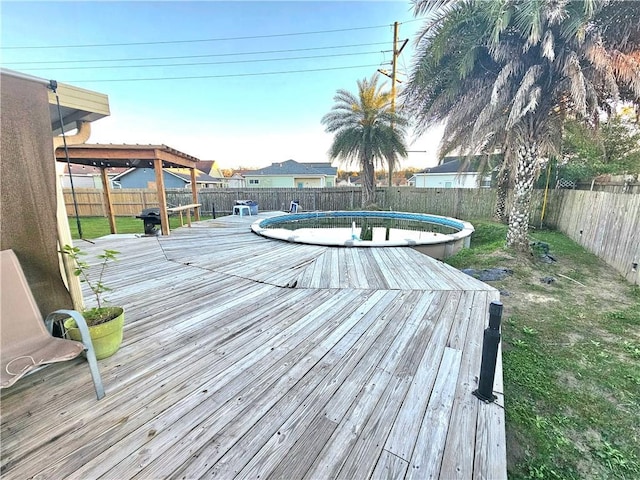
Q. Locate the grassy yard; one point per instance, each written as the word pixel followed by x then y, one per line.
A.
pixel 571 353
pixel 95 227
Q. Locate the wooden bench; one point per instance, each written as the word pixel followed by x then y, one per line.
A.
pixel 187 208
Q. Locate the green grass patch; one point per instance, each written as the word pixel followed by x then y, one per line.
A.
pixel 571 357
pixel 95 227
pixel 488 238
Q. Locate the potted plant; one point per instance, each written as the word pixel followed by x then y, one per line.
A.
pixel 105 322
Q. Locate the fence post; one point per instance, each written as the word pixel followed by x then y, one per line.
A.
pixel 489 354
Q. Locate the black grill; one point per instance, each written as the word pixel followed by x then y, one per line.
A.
pixel 151 218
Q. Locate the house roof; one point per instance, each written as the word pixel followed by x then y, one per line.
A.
pixel 243 171
pixel 447 167
pixel 201 177
pixel 452 164
pixel 324 167
pixel 210 167
pixel 291 167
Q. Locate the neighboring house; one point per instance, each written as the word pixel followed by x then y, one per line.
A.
pixel 291 174
pixel 326 168
pixel 211 168
pixel 236 181
pixel 85 176
pixel 173 178
pixel 448 175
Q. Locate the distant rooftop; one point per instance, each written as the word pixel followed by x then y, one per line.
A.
pixel 291 167
pixel 452 164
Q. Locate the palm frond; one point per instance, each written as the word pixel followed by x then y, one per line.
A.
pixel 548 46
pixel 521 96
pixel 513 67
pixel 528 20
pixel 573 71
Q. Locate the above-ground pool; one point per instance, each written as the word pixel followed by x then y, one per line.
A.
pixel 432 234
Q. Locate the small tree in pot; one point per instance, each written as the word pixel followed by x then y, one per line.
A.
pixel 105 322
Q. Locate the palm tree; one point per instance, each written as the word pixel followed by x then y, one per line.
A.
pixel 505 74
pixel 367 132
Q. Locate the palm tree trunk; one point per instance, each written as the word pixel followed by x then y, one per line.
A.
pixel 517 235
pixel 368 184
pixel 499 213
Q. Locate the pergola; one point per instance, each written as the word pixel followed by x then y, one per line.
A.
pixel 157 157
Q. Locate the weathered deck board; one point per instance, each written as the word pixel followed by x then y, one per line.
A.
pixel 254 398
pixel 460 444
pixel 290 436
pixel 429 447
pixel 360 367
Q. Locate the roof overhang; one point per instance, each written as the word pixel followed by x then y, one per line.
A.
pixel 76 104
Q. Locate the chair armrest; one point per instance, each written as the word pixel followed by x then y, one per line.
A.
pixel 86 341
pixel 63 315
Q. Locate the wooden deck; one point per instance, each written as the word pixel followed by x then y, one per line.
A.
pixel 250 358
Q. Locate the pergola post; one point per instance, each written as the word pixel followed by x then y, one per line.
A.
pixel 106 188
pixel 194 195
pixel 162 199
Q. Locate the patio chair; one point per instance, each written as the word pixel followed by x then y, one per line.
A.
pixel 26 341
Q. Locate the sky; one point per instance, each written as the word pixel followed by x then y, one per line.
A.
pixel 268 71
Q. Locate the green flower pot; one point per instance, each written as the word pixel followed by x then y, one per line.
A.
pixel 106 337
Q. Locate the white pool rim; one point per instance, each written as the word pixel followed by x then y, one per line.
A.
pixel 464 229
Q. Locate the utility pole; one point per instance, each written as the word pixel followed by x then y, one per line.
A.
pixel 394 79
pixel 394 67
pixel 394 71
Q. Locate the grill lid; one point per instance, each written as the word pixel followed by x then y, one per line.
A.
pixel 150 211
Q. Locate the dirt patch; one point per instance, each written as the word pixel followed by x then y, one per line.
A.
pixel 516 451
pixel 568 379
pixel 573 338
pixel 536 298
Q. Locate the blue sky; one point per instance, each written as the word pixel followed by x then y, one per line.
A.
pixel 243 114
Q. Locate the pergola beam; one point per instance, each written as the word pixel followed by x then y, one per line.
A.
pixel 134 156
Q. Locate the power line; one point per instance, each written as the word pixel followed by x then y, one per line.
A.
pixel 165 42
pixel 203 63
pixel 221 39
pixel 219 76
pixel 179 57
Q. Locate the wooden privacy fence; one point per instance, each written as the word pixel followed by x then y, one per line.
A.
pixel 607 224
pixel 456 202
pixel 618 187
pixel 126 202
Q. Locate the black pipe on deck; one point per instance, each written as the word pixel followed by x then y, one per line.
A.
pixel 489 354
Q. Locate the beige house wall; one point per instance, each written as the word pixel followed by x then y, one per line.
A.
pixel 282 181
